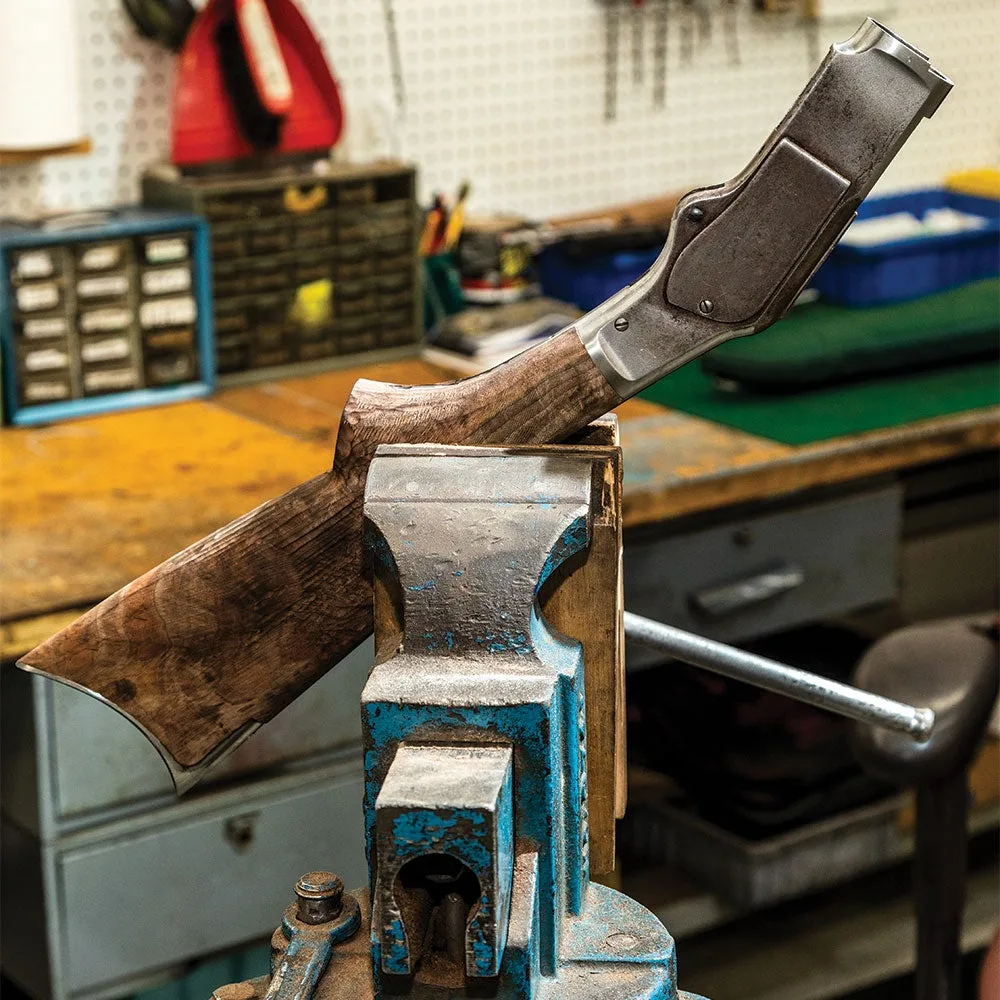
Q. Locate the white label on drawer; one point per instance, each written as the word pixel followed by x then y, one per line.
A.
pixel 46 360
pixel 36 264
pixel 166 250
pixel 104 320
pixel 100 258
pixel 108 284
pixel 44 392
pixel 122 378
pixel 167 312
pixel 31 298
pixel 105 350
pixel 49 326
pixel 169 279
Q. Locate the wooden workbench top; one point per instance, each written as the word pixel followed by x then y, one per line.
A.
pixel 88 505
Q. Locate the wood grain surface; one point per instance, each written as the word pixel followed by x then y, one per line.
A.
pixel 226 633
pixel 587 605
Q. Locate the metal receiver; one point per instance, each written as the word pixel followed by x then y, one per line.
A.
pixel 738 254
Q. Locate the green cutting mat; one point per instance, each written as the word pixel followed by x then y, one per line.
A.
pixel 800 418
pixel 822 337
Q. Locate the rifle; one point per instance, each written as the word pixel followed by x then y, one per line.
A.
pixel 203 649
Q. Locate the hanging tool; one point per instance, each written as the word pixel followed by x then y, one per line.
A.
pixel 200 652
pixel 660 38
pixel 612 23
pixel 395 59
pixel 638 15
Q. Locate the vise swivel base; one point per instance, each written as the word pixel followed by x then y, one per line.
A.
pixel 475 756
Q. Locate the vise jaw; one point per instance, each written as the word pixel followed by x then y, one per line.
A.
pixel 476 803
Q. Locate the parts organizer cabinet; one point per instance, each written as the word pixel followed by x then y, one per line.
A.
pixel 111 884
pixel 103 312
pixel 310 270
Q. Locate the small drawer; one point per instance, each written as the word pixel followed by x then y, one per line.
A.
pixel 38 296
pixel 396 281
pixel 38 358
pixel 265 276
pixel 244 205
pixel 177 311
pixel 268 357
pixel 233 341
pixel 165 248
pixel 773 571
pixel 39 328
pixel 229 240
pixel 357 307
pixel 390 301
pixel 355 192
pixel 98 287
pixel 314 230
pixel 313 267
pixel 50 388
pixel 395 318
pixel 232 358
pixel 167 280
pixel 176 339
pixel 354 263
pixel 312 350
pixel 101 350
pixel 223 863
pixel 168 369
pixel 229 278
pixel 229 320
pixel 358 335
pixel 36 264
pixel 395 247
pixel 110 319
pixel 97 381
pixel 397 336
pixel 103 256
pixel 355 226
pixel 268 236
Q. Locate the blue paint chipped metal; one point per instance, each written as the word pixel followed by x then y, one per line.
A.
pixel 480 674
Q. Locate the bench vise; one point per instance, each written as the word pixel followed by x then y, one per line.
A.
pixel 475 730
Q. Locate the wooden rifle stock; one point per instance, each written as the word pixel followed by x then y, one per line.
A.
pixel 218 639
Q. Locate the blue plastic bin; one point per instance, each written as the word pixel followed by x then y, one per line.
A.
pixel 587 282
pixel 922 265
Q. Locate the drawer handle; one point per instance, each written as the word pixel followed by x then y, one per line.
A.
pixel 727 598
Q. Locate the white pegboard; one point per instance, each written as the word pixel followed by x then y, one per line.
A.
pixel 511 95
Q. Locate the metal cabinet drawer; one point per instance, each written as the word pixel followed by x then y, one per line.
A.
pixel 68 759
pixel 145 894
pixel 750 577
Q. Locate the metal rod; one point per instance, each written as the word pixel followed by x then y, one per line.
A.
pixel 781 679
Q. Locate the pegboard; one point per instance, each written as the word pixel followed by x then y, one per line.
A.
pixel 511 96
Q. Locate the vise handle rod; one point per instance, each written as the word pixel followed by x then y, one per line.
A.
pixel 803 685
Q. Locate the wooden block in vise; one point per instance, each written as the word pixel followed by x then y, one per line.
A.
pixel 586 604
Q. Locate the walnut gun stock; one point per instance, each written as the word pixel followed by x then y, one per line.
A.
pixel 214 642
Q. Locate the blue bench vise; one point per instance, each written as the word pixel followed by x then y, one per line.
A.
pixel 476 801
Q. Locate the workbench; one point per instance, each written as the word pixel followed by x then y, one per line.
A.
pixel 87 506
